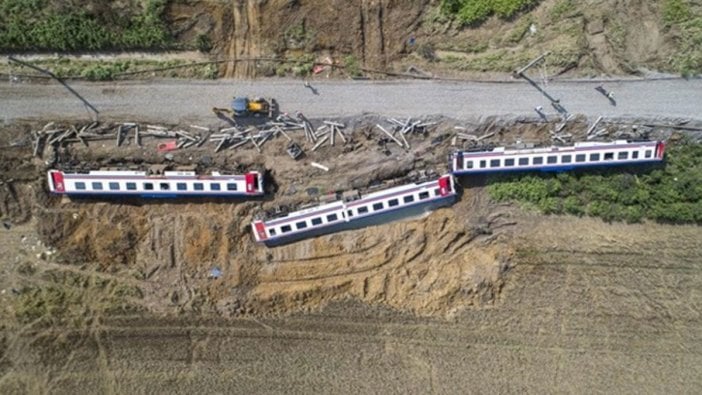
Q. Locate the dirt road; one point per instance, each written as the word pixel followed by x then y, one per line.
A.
pixel 191 101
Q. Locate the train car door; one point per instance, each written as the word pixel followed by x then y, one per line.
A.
pixel 660 149
pixel 251 182
pixel 445 185
pixel 260 230
pixel 458 164
pixel 57 181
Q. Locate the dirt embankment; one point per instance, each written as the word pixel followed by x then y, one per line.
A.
pixel 610 37
pixel 374 31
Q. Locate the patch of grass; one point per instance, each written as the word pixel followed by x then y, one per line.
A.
pixel 670 194
pixel 464 46
pixel 688 58
pixel 47 25
pixel 104 70
pixel 679 17
pixel 520 30
pixel 72 298
pixel 560 9
pixel 675 11
pixel 474 12
pixel 616 35
pixel 298 36
pixel 499 61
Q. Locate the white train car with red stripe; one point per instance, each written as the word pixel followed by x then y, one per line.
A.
pixel 556 158
pixel 169 184
pixel 357 211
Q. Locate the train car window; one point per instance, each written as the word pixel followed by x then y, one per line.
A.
pixel 609 155
pixel 423 195
pixel 551 159
pixel 648 153
pixel 131 186
pixel 566 158
pixel 594 157
pixel 271 232
pixel 181 186
pixel 301 225
pixel 215 186
pixel 332 217
pixel 378 206
pixel 509 162
pixel 349 213
pixel 494 163
pixel 164 186
pixel 408 199
pixel 231 186
pixel 114 186
pixel 393 202
pixel 362 210
pixel 580 158
pixel 316 221
pixel 80 185
pixel 437 192
pixel 148 186
pixel 285 228
pixel 469 164
pixel 199 186
pixel 635 155
pixel 523 161
pixel 538 160
pixel 623 155
pixel 97 186
pixel 483 164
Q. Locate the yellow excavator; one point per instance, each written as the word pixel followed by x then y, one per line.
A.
pixel 243 107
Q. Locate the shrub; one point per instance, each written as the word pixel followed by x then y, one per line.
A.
pixel 671 194
pixel 352 67
pixel 98 73
pixel 203 43
pixel 427 52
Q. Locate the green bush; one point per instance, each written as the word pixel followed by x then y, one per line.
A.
pixel 352 67
pixel 98 73
pixel 669 194
pixel 203 43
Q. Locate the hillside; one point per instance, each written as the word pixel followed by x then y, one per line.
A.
pixel 447 37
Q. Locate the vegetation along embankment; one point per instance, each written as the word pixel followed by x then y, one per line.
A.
pixel 668 193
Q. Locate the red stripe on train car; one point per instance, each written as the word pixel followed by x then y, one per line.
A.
pixel 57 179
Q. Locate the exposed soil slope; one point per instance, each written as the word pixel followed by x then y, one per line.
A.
pixel 591 37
